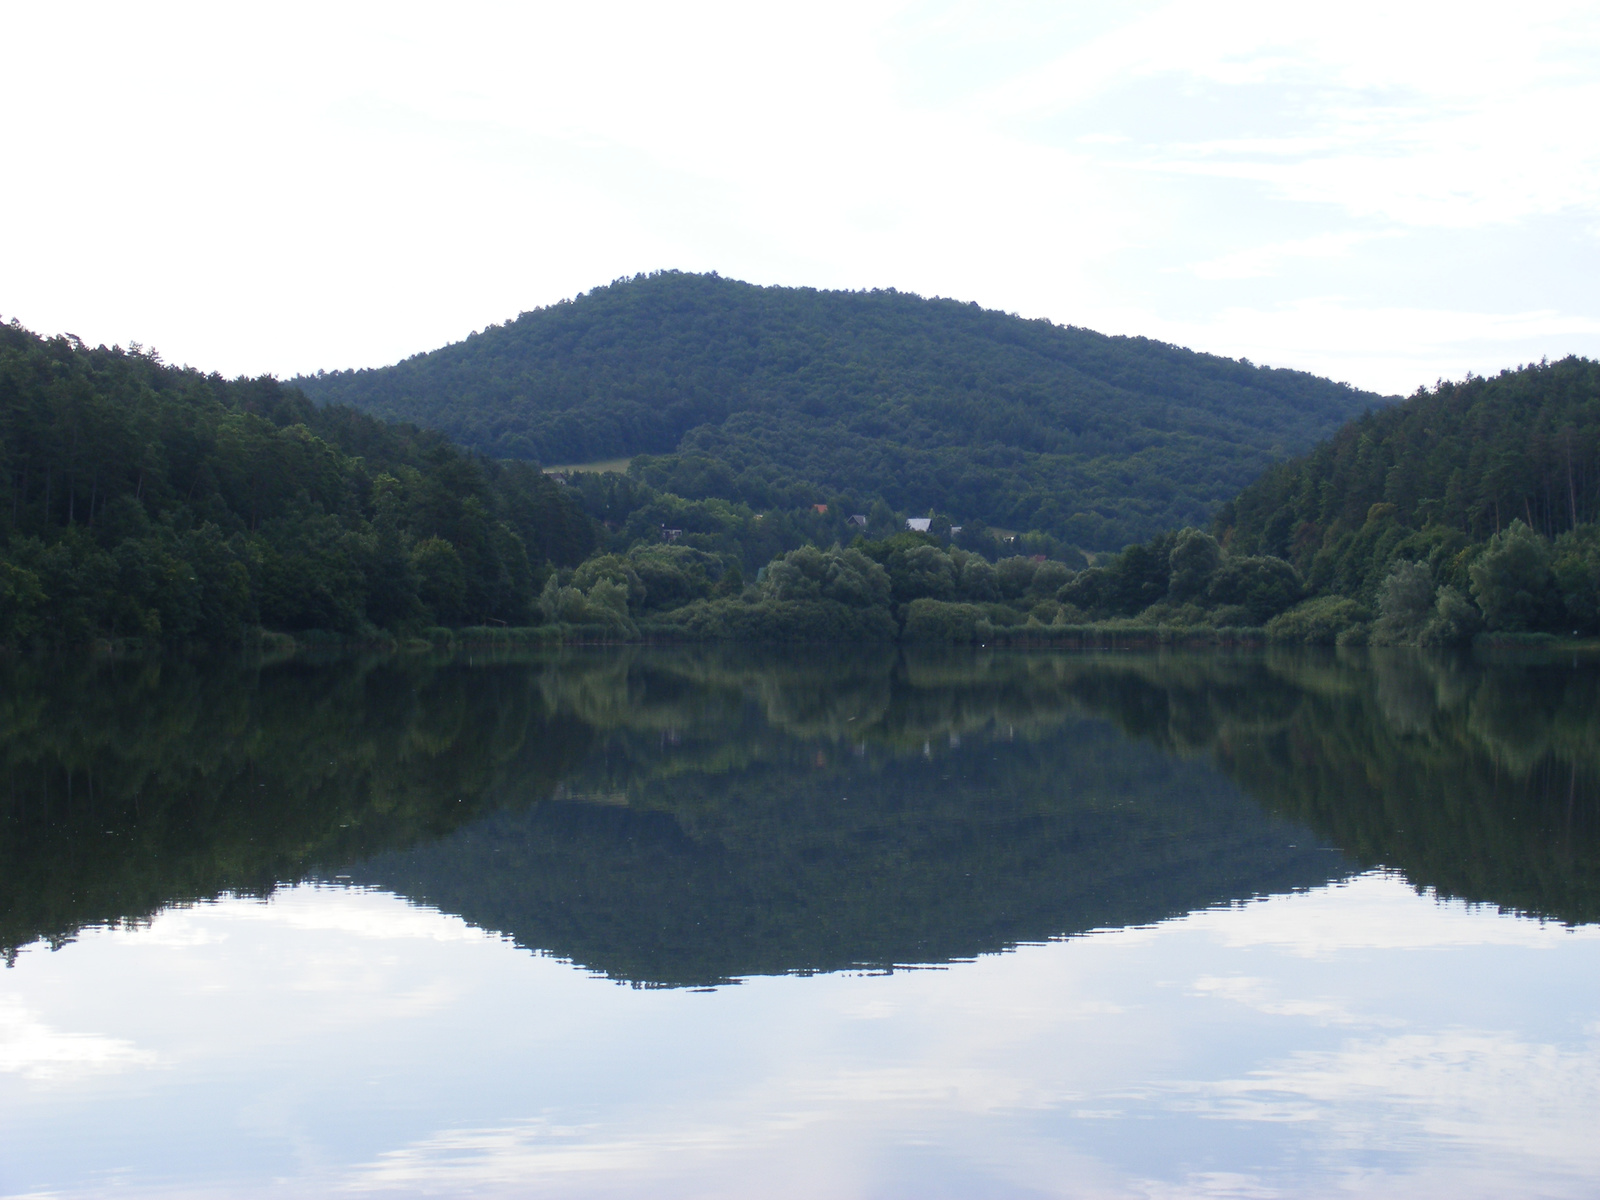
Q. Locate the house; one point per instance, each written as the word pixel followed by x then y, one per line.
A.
pixel 821 508
pixel 670 535
pixel 859 520
pixel 918 524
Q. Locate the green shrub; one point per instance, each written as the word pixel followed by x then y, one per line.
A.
pixel 942 621
pixel 777 621
pixel 1513 583
pixel 1316 622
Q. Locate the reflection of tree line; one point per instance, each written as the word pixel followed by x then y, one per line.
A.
pixel 1479 780
pixel 1484 784
pixel 125 788
pixel 817 811
pixel 983 808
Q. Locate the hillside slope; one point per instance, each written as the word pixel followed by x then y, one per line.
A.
pixel 784 397
pixel 1439 478
pixel 1472 507
pixel 149 501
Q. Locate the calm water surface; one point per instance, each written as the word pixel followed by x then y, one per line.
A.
pixel 872 924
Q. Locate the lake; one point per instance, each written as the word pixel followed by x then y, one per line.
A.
pixel 710 922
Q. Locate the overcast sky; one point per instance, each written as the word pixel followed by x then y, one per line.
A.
pixel 1385 193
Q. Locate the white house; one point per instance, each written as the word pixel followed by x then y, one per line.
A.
pixel 918 524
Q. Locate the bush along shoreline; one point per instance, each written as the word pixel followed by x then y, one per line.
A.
pixel 1179 590
pixel 906 588
pixel 1518 589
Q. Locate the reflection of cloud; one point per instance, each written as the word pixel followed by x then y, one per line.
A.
pixel 518 1153
pixel 1213 1185
pixel 1488 1096
pixel 780 1119
pixel 1085 1068
pixel 1258 994
pixel 1375 911
pixel 365 913
pixel 34 1050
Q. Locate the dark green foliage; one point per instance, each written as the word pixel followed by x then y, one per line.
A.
pixel 1405 603
pixel 1512 581
pixel 927 592
pixel 1487 491
pixel 1454 622
pixel 872 591
pixel 1193 560
pixel 145 501
pixel 806 595
pixel 781 398
pixel 939 621
pixel 1260 585
pixel 1320 622
pixel 1182 580
pixel 848 577
pixel 768 620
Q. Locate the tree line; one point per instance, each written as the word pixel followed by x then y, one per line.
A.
pixel 143 500
pixel 153 502
pixel 1471 506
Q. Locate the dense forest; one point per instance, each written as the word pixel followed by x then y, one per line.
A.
pixel 683 815
pixel 1470 508
pixel 142 500
pixel 783 398
pixel 1472 504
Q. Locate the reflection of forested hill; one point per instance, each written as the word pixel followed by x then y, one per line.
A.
pixel 1480 781
pixel 821 858
pixel 690 814
pixel 127 788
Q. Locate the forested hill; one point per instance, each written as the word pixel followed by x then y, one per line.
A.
pixel 1469 457
pixel 1471 507
pixel 1493 484
pixel 143 500
pixel 785 397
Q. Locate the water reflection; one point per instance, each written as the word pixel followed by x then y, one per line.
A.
pixel 672 818
pixel 687 816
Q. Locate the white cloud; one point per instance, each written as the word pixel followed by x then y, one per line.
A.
pixel 1388 348
pixel 300 186
pixel 1271 259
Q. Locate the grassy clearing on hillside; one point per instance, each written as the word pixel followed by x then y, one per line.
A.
pixel 601 466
